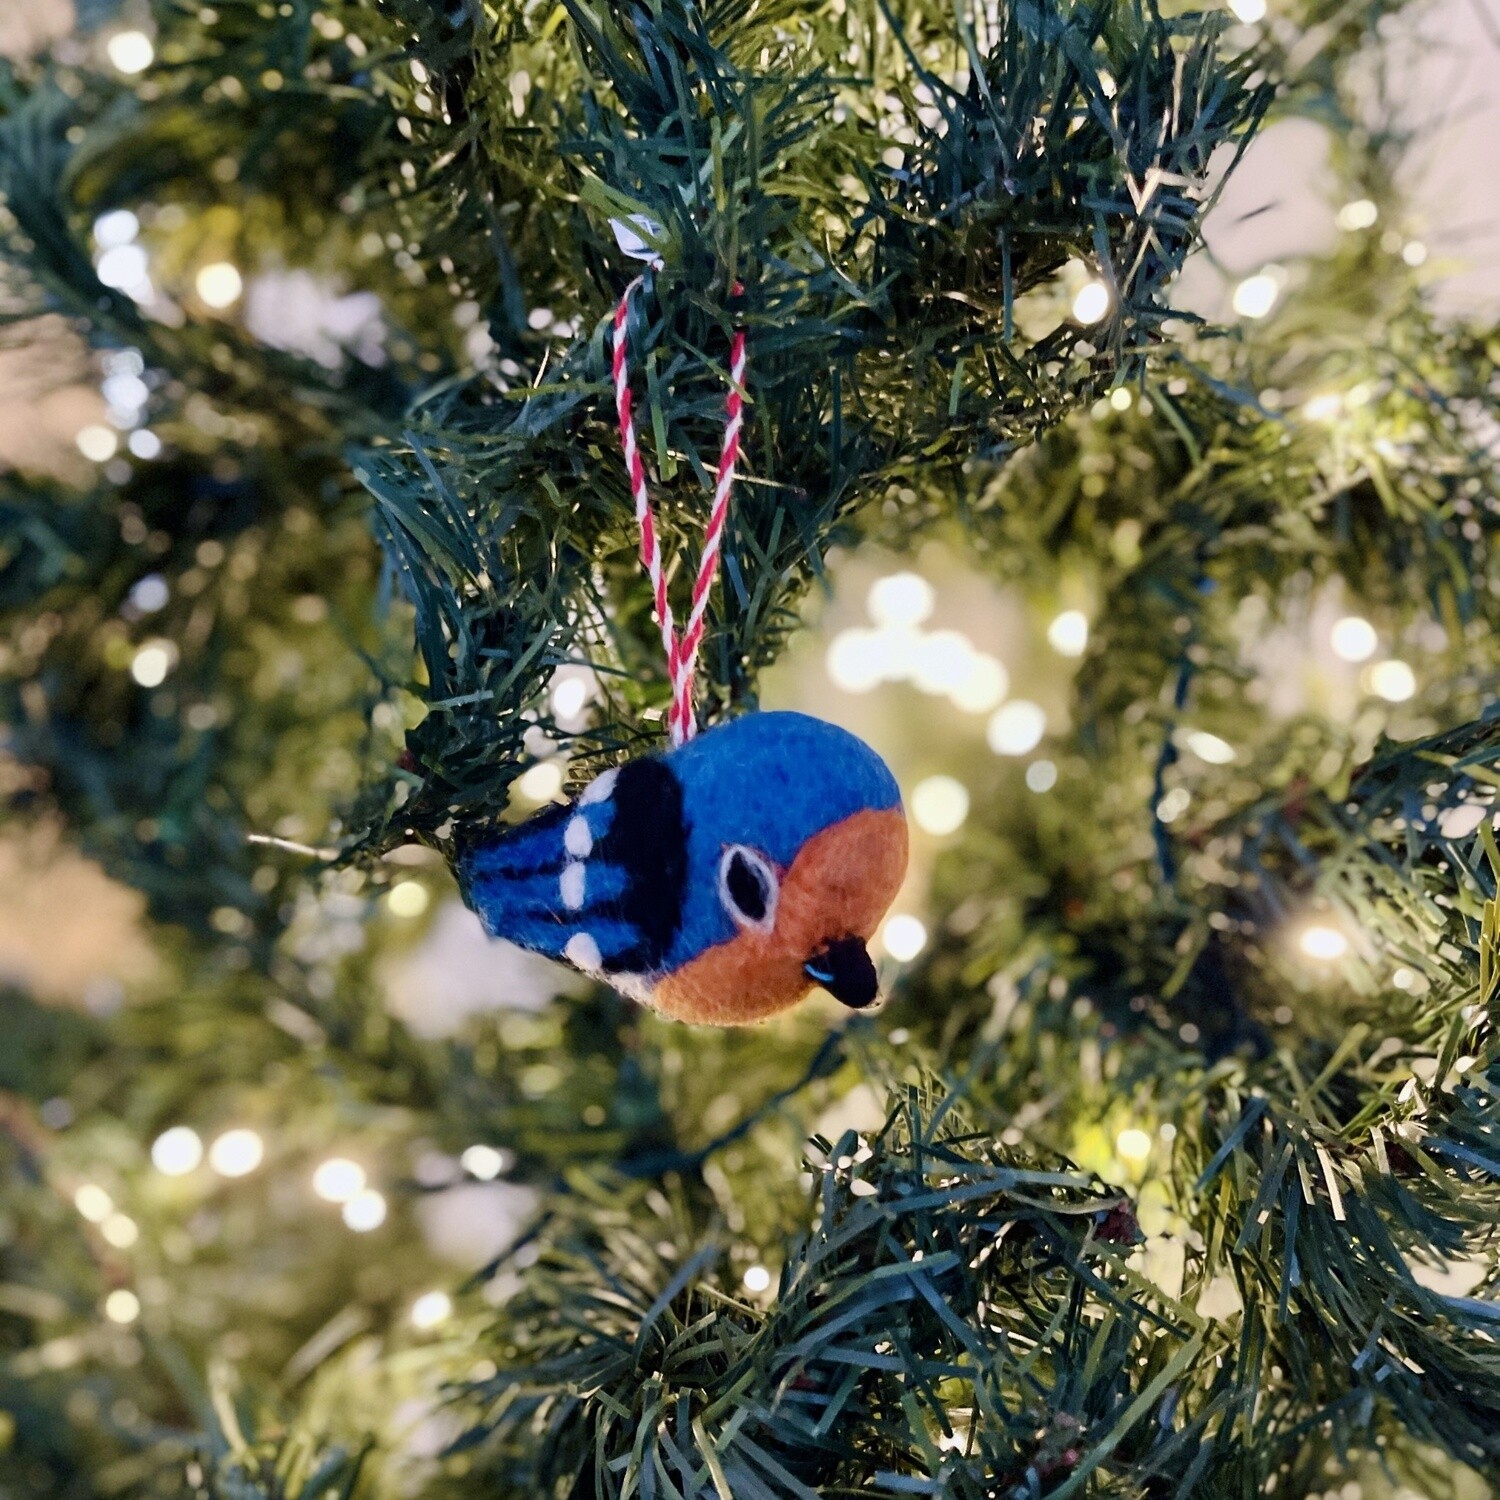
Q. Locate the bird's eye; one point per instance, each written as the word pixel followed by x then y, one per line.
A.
pixel 747 887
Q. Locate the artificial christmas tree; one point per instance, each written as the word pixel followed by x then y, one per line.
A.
pixel 1169 1166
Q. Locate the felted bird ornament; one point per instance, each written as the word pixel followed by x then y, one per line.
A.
pixel 716 882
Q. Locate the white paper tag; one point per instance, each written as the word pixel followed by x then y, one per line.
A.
pixel 630 241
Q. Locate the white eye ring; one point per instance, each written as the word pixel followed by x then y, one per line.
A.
pixel 748 887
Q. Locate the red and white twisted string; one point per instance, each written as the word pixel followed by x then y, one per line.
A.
pixel 681 648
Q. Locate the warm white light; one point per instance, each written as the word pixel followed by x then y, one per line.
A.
pixel 1393 680
pixel 97 443
pixel 1210 747
pixel 542 782
pixel 939 804
pixel 118 227
pixel 569 696
pixel 1133 1146
pixel 219 284
pixel 1323 943
pixel 177 1151
pixel 903 937
pixel 901 599
pixel 1357 215
pixel 151 663
pixel 1414 253
pixel 1256 295
pixel 430 1309
pixel 483 1162
pixel 1248 11
pixel 1324 408
pixel 93 1203
pixel 1068 634
pixel 985 684
pixel 1092 302
pixel 120 1231
pixel 757 1279
pixel 338 1179
pixel 1120 398
pixel 1041 776
pixel 408 899
pixel 122 1306
pixel 365 1211
pixel 855 660
pixel 130 51
pixel 1353 639
pixel 236 1153
pixel 942 662
pixel 1016 728
pixel 123 267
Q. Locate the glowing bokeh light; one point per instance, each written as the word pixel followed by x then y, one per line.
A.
pixel 1353 639
pixel 1016 728
pixel 1256 295
pixel 122 1306
pixel 1392 680
pixel 408 899
pixel 939 804
pixel 901 599
pixel 483 1162
pixel 219 285
pixel 1068 634
pixel 903 936
pixel 1323 943
pixel 176 1152
pixel 97 443
pixel 365 1211
pixel 757 1279
pixel 338 1179
pixel 431 1309
pixel 236 1153
pixel 1092 303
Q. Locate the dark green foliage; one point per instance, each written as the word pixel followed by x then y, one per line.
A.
pixel 372 571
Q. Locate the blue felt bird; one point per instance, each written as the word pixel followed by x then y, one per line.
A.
pixel 717 882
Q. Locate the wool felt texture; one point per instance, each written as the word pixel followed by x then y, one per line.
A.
pixel 708 879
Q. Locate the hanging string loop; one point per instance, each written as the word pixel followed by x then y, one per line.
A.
pixel 681 647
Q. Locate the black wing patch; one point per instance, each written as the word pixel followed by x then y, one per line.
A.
pixel 647 837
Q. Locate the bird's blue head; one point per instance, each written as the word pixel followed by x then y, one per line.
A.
pixel 796 846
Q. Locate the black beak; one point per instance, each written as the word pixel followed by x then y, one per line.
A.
pixel 845 969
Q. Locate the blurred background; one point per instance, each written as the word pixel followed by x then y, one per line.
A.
pixel 958 681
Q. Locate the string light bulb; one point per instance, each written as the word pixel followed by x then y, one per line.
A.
pixel 93 1203
pixel 219 285
pixel 122 1306
pixel 901 599
pixel 338 1179
pixel 1133 1146
pixel 130 52
pixel 1393 680
pixel 483 1162
pixel 1353 639
pixel 365 1211
pixel 1256 295
pixel 757 1279
pixel 177 1151
pixel 1324 943
pixel 903 937
pixel 431 1309
pixel 1068 634
pixel 236 1153
pixel 1091 304
pixel 408 899
pixel 1016 728
pixel 939 804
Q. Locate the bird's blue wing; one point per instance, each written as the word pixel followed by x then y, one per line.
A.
pixel 597 882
